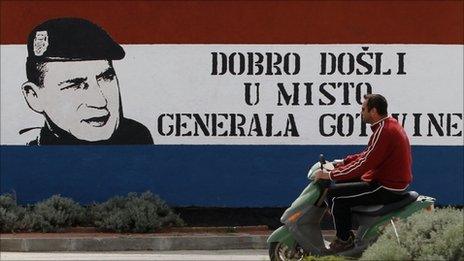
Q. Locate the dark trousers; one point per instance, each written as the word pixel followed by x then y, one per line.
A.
pixel 342 197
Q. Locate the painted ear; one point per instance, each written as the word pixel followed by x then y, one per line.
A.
pixel 30 93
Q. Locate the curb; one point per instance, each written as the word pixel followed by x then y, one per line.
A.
pixel 188 238
pixel 126 243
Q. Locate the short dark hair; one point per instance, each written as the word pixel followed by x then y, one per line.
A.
pixel 378 102
pixel 35 72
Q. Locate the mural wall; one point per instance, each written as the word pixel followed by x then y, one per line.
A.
pixel 203 115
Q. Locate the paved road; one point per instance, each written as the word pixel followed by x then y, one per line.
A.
pixel 235 255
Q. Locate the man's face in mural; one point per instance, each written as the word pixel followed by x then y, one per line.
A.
pixel 80 97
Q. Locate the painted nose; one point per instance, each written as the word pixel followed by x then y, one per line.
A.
pixel 94 96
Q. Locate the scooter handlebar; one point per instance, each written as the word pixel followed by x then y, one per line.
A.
pixel 327 165
pixel 322 160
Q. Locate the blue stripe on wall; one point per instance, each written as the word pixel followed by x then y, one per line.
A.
pixel 201 175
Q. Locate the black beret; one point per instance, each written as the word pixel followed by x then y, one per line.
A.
pixel 71 39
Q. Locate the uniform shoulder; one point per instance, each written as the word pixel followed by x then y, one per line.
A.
pixel 30 136
pixel 138 132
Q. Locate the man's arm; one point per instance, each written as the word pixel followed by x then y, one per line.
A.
pixel 369 159
pixel 350 158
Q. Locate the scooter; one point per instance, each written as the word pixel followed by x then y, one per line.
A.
pixel 301 233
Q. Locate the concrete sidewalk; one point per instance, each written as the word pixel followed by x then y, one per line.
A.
pixel 178 239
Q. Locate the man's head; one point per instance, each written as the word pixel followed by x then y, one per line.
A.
pixel 71 79
pixel 374 108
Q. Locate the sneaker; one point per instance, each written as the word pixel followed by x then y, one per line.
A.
pixel 339 245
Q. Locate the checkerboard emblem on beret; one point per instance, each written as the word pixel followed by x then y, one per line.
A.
pixel 40 42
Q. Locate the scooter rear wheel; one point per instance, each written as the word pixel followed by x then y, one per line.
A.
pixel 281 252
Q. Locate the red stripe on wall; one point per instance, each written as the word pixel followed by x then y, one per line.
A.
pixel 249 22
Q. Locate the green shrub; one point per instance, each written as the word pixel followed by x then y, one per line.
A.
pixel 53 214
pixel 144 213
pixel 11 214
pixel 386 248
pixel 437 235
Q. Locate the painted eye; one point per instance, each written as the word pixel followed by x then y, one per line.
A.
pixel 76 86
pixel 108 77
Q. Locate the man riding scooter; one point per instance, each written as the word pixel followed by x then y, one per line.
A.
pixel 381 172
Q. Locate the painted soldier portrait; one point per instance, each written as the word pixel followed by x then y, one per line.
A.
pixel 72 82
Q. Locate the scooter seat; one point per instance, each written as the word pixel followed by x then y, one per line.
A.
pixel 379 210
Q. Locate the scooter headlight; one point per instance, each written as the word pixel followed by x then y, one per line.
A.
pixel 313 169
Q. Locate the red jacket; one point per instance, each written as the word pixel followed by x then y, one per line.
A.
pixel 386 159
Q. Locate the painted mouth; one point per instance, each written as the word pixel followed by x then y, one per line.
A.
pixel 97 121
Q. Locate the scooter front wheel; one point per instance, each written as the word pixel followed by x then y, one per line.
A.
pixel 280 252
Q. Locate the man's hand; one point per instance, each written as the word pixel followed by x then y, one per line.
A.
pixel 338 163
pixel 321 174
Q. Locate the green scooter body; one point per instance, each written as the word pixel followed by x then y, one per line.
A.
pixel 302 209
